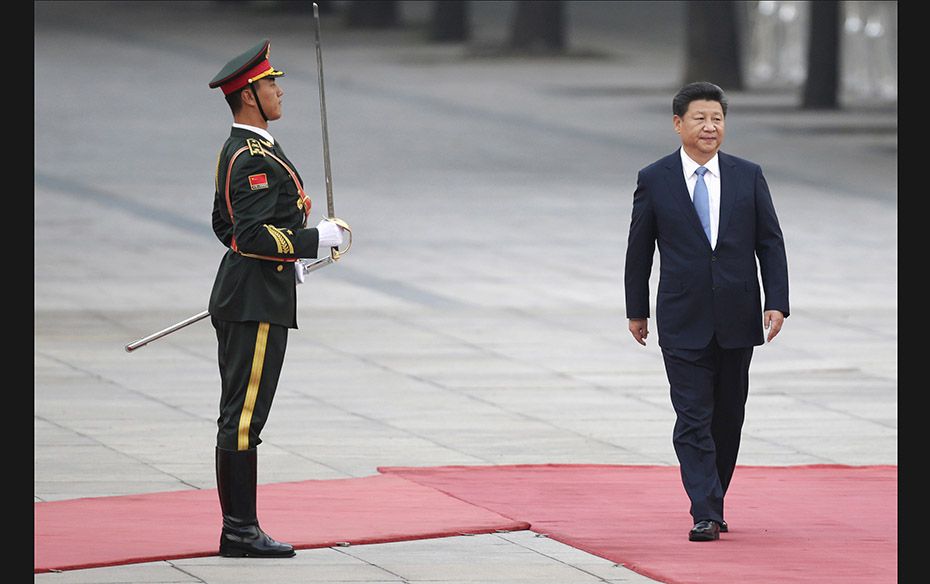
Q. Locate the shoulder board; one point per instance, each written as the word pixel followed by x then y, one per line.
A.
pixel 267 144
pixel 255 147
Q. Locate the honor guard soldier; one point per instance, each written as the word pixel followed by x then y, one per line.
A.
pixel 260 213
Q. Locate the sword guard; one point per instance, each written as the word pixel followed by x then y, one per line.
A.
pixel 335 252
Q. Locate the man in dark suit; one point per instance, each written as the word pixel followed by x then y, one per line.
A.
pixel 260 213
pixel 712 217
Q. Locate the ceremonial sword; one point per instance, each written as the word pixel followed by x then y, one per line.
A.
pixel 334 252
pixel 307 266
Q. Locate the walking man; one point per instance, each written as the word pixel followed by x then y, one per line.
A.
pixel 712 217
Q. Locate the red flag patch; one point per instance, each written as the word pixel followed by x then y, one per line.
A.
pixel 258 181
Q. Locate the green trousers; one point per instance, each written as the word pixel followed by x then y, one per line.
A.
pixel 250 356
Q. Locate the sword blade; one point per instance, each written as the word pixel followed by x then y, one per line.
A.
pixel 327 168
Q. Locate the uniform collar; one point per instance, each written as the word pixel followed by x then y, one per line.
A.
pixel 260 131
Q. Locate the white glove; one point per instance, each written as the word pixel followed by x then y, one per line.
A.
pixel 299 272
pixel 331 235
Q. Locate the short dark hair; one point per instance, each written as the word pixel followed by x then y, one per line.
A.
pixel 695 91
pixel 234 100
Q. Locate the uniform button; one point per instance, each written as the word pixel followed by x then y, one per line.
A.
pixel 713 258
pixel 280 267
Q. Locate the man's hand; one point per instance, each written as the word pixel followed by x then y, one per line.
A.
pixel 772 319
pixel 331 235
pixel 639 328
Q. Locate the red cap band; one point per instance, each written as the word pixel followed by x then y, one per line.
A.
pixel 242 80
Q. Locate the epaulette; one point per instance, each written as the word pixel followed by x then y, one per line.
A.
pixel 255 147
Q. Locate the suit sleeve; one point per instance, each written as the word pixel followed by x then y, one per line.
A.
pixel 640 250
pixel 254 194
pixel 770 249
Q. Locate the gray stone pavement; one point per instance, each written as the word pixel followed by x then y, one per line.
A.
pixel 478 318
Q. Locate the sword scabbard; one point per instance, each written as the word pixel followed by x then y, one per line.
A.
pixel 167 331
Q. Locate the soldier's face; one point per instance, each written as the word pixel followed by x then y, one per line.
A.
pixel 270 94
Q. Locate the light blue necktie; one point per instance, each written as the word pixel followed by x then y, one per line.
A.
pixel 702 201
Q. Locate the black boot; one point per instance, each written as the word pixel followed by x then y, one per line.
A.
pixel 236 482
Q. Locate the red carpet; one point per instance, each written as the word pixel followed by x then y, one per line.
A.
pixel 307 514
pixel 817 524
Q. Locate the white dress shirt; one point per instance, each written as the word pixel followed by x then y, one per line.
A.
pixel 260 131
pixel 712 180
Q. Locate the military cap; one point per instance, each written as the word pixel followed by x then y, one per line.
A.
pixel 250 66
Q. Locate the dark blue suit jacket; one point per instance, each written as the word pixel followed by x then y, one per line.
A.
pixel 703 291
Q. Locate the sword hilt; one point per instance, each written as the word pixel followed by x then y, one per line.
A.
pixel 335 252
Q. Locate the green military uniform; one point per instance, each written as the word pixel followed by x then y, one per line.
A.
pixel 265 234
pixel 259 214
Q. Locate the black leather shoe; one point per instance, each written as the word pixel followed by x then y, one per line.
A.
pixel 250 541
pixel 704 531
pixel 724 527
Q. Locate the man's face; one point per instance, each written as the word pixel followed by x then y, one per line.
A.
pixel 701 129
pixel 270 94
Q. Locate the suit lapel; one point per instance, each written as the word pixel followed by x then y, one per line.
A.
pixel 728 188
pixel 675 176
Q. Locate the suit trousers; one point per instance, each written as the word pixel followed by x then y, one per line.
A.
pixel 250 356
pixel 708 387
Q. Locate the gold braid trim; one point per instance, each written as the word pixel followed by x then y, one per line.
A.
pixel 284 244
